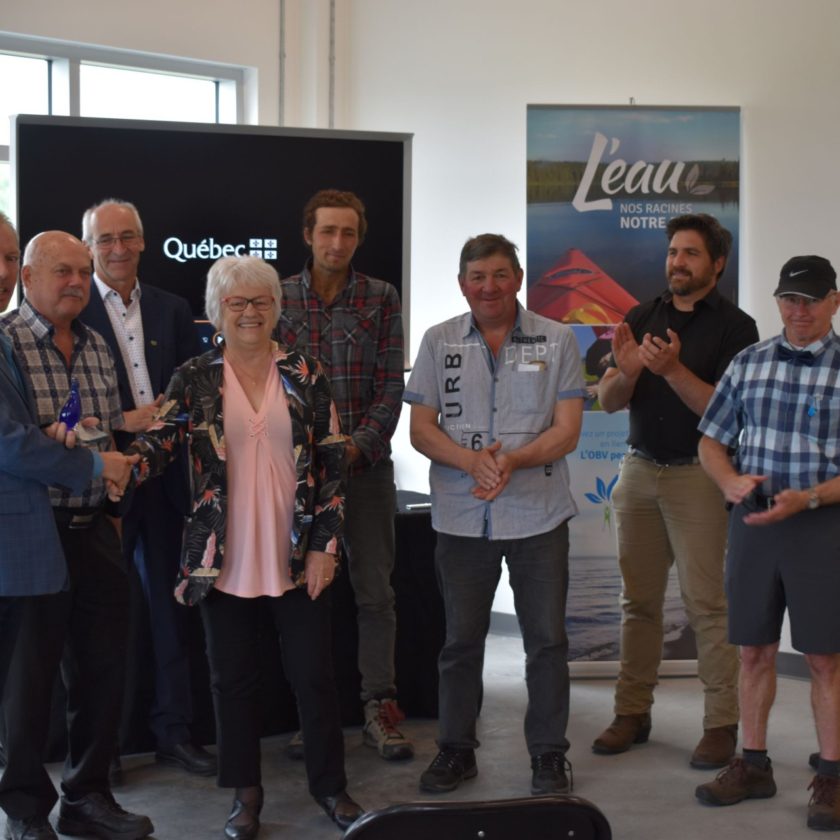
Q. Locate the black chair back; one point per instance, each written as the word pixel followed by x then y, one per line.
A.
pixel 531 818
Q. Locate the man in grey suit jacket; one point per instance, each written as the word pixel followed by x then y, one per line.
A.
pixel 150 332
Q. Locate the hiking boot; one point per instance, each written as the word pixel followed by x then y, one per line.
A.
pixel 448 769
pixel 824 807
pixel 622 733
pixel 381 719
pixel 739 781
pixel 294 749
pixel 549 773
pixel 716 747
pixel 814 761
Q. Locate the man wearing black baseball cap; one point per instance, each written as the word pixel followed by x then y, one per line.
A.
pixel 811 277
pixel 779 403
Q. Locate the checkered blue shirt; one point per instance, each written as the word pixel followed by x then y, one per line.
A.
pixel 45 369
pixel 783 417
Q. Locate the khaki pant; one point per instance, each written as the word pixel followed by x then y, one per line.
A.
pixel 665 515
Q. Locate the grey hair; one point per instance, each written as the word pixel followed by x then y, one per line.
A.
pixel 227 272
pixel 87 219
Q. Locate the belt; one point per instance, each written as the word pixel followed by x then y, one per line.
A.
pixel 671 462
pixel 76 519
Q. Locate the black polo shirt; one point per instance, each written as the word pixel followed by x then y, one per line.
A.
pixel 661 424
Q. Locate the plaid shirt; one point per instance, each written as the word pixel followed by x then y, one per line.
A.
pixel 784 417
pixel 358 339
pixel 44 367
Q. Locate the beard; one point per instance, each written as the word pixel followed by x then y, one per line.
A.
pixel 684 283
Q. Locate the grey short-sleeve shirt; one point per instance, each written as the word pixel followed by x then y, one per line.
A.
pixel 510 399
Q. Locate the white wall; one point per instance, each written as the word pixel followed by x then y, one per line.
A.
pixel 459 74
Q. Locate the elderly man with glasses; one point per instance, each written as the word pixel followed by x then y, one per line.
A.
pixel 778 405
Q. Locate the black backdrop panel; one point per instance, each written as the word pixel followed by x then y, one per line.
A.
pixel 204 191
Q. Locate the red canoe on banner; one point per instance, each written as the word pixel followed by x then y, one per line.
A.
pixel 577 291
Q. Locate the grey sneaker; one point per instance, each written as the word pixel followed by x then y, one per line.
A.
pixel 381 719
pixel 736 782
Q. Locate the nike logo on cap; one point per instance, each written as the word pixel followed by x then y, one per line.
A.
pixel 794 273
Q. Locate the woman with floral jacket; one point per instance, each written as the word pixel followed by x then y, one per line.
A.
pixel 265 453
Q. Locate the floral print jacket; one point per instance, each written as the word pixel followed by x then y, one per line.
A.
pixel 192 415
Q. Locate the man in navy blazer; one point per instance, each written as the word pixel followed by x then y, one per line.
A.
pixel 151 332
pixel 31 557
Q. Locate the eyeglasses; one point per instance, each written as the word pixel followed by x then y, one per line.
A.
pixel 240 304
pixel 107 241
pixel 794 301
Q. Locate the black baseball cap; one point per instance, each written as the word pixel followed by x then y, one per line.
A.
pixel 812 277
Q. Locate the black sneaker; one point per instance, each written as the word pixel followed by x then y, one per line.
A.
pixel 448 769
pixel 549 773
pixel 98 815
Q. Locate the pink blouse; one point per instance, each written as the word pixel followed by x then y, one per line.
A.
pixel 261 490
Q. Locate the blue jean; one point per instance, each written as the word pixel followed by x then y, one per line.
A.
pixel 370 509
pixel 468 570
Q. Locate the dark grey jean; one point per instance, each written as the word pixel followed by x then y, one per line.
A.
pixel 468 571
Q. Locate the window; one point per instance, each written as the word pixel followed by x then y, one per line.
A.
pixel 69 79
pixel 30 94
pixel 142 95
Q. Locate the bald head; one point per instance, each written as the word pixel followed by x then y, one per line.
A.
pixel 56 276
pixel 9 260
pixel 45 244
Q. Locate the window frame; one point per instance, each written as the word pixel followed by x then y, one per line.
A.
pixel 66 57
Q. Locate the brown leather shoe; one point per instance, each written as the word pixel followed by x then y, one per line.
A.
pixel 622 733
pixel 716 747
pixel 740 780
pixel 824 807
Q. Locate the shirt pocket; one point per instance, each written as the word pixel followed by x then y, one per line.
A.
pixel 820 424
pixel 362 327
pixel 531 391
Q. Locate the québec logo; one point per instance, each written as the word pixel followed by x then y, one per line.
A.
pixel 208 249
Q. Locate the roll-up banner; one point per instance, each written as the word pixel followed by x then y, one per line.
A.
pixel 602 183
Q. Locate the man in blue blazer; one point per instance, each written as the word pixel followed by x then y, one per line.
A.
pixel 150 332
pixel 31 558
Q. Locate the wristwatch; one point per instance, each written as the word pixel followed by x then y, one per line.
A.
pixel 813 499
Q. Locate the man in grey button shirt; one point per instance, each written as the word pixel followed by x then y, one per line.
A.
pixel 496 400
